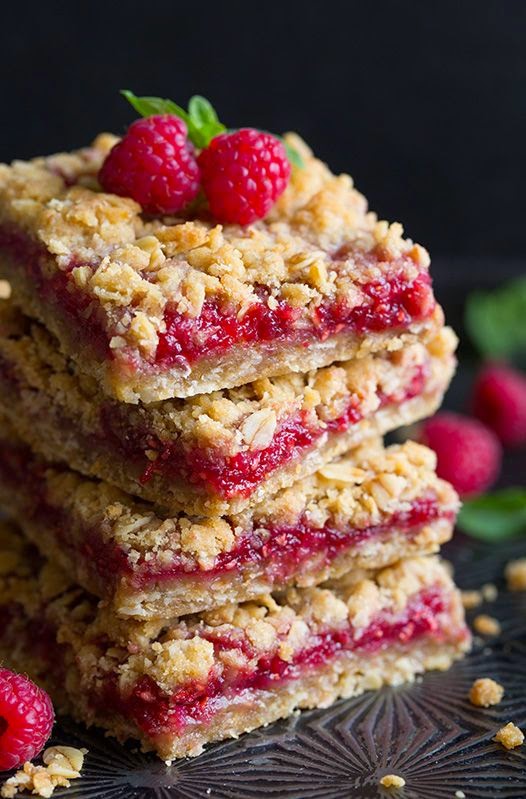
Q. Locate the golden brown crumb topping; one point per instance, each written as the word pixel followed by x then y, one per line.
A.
pixel 486 625
pixel 485 692
pixel 175 651
pixel 319 243
pixel 61 764
pixel 510 736
pixel 229 421
pixel 516 575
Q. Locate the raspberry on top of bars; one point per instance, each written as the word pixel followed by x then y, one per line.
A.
pixel 186 258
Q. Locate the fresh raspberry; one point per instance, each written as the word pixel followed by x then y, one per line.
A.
pixel 243 175
pixel 154 164
pixel 468 454
pixel 26 719
pixel 499 400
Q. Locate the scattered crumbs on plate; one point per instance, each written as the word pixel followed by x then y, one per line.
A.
pixel 486 625
pixel 510 736
pixel 485 692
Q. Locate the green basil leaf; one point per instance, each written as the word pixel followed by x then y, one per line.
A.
pixel 203 121
pixel 496 320
pixel 148 106
pixel 496 516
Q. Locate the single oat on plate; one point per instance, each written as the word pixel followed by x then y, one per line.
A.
pixel 392 781
pixel 486 625
pixel 515 573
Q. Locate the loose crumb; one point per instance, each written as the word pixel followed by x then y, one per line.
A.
pixel 460 795
pixel 510 736
pixel 489 592
pixel 515 573
pixel 392 781
pixel 485 692
pixel 486 625
pixel 62 764
pixel 471 599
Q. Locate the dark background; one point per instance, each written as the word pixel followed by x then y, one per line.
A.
pixel 423 102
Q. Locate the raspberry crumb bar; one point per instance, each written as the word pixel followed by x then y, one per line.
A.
pixel 220 452
pixel 177 685
pixel 367 511
pixel 161 307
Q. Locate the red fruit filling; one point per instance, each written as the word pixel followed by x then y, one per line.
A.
pixel 240 475
pixel 282 552
pixel 279 551
pixel 391 303
pixel 159 713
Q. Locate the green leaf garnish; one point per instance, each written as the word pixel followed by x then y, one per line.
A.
pixel 201 120
pixel 496 320
pixel 496 516
pixel 294 156
pixel 148 106
pixel 204 121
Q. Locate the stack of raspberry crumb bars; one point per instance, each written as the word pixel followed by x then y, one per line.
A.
pixel 209 531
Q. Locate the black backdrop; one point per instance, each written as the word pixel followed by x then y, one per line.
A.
pixel 424 102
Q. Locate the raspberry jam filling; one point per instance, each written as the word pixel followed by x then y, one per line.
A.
pixel 391 303
pixel 159 713
pixel 277 551
pixel 281 552
pixel 241 474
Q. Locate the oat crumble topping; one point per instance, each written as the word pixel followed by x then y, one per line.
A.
pixel 230 421
pixel 359 490
pixel 172 651
pixel 485 692
pixel 133 267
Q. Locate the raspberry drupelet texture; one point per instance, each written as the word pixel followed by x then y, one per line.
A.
pixel 468 453
pixel 154 164
pixel 243 175
pixel 499 400
pixel 26 719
